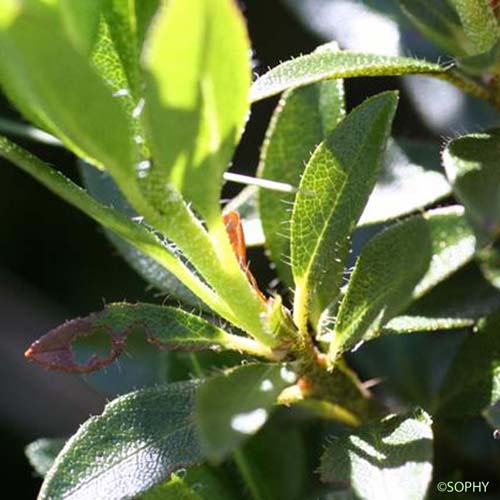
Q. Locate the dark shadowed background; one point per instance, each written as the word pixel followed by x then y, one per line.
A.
pixel 56 264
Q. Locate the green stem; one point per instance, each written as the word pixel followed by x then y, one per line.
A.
pixel 247 475
pixel 471 87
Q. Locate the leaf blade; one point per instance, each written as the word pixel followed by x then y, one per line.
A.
pixel 471 166
pixel 202 106
pixel 318 66
pixel 225 419
pixel 436 243
pixel 390 459
pixel 302 120
pixel 84 116
pixel 479 22
pixel 152 426
pixel 333 191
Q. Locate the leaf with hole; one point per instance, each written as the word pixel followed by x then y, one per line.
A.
pixel 167 328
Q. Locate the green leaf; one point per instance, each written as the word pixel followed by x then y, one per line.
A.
pixel 42 453
pixel 121 22
pixel 479 22
pixel 459 302
pixel 473 381
pixel 389 459
pixel 103 188
pixel 408 181
pixel 234 405
pixel 439 22
pixel 135 234
pixel 383 283
pixel 326 65
pixel 203 104
pixel 81 19
pixel 138 441
pixel 276 459
pixel 471 164
pixel 64 91
pixel 166 327
pixel 175 489
pixel 301 121
pixel 332 194
pixel 197 483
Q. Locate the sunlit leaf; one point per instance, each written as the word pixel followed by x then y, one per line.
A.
pixel 234 405
pixel 302 120
pixel 138 441
pixel 332 195
pixel 458 302
pixel 479 22
pixel 40 67
pixel 383 283
pixel 390 459
pixel 326 65
pixel 102 187
pixel 81 19
pixel 202 104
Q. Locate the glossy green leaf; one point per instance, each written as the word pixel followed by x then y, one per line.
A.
pixel 81 19
pixel 203 103
pixel 63 91
pixel 233 406
pixel 134 233
pixel 479 22
pixel 473 381
pixel 42 453
pixel 326 65
pixel 458 302
pixel 389 459
pixel 302 120
pixel 138 441
pixel 276 461
pixel 439 22
pixel 383 283
pixel 408 181
pixel 471 163
pixel 332 194
pixel 103 188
